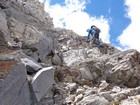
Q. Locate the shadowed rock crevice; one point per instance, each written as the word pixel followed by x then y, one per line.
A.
pixel 3 43
pixel 3 6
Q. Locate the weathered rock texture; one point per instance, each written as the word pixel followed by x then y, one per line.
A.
pixel 42 82
pixel 43 65
pixel 26 21
pixel 13 84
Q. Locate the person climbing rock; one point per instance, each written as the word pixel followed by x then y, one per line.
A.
pixel 94 32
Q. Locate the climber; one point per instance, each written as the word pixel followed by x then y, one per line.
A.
pixel 94 32
pixel 91 33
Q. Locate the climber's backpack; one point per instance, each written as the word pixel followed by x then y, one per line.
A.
pixel 97 30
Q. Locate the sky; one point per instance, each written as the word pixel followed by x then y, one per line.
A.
pixel 118 20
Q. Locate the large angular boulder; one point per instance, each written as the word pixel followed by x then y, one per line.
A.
pixel 31 38
pixel 32 66
pixel 93 68
pixel 72 57
pixel 3 25
pixel 44 47
pixel 14 88
pixel 42 82
pixel 124 68
pixel 121 68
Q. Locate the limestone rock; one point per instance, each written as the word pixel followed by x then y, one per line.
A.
pixel 72 57
pixel 42 82
pixel 93 100
pixel 86 74
pixel 80 91
pixel 93 52
pixel 134 100
pixel 78 98
pixel 72 87
pixel 124 68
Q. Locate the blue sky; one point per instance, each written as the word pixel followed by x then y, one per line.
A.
pixel 118 20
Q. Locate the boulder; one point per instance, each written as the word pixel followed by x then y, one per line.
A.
pixel 42 82
pixel 85 74
pixel 32 66
pixel 14 87
pixel 56 60
pixel 72 57
pixel 92 69
pixel 124 68
pixel 93 100
pixel 93 52
pixel 44 47
pixel 133 100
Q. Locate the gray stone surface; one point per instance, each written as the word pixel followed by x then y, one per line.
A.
pixel 3 43
pixel 3 26
pixel 86 74
pixel 3 21
pixel 27 21
pixel 72 57
pixel 31 65
pixel 124 68
pixel 93 100
pixel 14 88
pixel 42 82
pixel 45 46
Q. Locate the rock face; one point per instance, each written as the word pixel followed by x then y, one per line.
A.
pixel 125 69
pixel 29 24
pixel 120 68
pixel 21 20
pixel 72 56
pixel 14 85
pixel 43 65
pixel 94 100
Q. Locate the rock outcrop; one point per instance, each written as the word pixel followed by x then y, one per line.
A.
pixel 20 73
pixel 43 65
pixel 13 83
